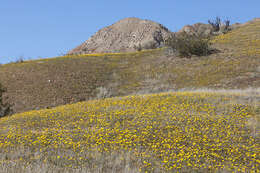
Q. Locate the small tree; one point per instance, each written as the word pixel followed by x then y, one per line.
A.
pixel 187 45
pixel 215 23
pixel 227 24
pixel 5 108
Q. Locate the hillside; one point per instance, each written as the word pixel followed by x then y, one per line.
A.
pixel 165 114
pixel 50 82
pixel 180 132
pixel 244 41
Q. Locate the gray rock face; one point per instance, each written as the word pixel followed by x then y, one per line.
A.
pixel 198 29
pixel 129 34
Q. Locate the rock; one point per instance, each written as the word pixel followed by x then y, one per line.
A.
pixel 203 29
pixel 256 19
pixel 126 35
pixel 198 29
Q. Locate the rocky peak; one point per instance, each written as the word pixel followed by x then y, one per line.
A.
pixel 126 35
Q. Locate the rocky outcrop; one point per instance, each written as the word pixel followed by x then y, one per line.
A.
pixel 198 29
pixel 129 34
pixel 207 29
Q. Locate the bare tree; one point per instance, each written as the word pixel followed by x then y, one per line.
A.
pixel 215 23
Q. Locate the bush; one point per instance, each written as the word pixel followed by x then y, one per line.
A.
pixel 5 108
pixel 187 45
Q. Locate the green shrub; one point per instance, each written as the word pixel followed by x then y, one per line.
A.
pixel 187 45
pixel 5 108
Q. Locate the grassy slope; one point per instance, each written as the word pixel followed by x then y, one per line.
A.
pixel 186 131
pixel 245 40
pixel 51 82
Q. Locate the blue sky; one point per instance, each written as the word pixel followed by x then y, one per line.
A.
pixel 46 28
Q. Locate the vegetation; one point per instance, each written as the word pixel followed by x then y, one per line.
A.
pixel 51 82
pixel 199 131
pixel 187 45
pixel 182 132
pixel 216 24
pixel 57 81
pixel 244 41
pixel 5 108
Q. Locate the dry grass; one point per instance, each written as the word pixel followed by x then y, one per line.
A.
pixel 47 83
pixel 245 40
pixel 28 161
pixel 57 81
pixel 206 131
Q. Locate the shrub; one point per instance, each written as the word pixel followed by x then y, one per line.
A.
pixel 19 60
pixel 5 108
pixel 187 45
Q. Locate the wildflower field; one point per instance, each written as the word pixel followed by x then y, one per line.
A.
pixel 168 132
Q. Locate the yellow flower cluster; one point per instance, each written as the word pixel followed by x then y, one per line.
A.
pixel 170 131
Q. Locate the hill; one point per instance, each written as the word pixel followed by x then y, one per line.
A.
pixel 244 41
pixel 206 130
pixel 183 132
pixel 126 35
pixel 47 83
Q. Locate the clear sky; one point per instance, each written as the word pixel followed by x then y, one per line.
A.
pixel 47 28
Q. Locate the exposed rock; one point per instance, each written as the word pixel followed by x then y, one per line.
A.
pixel 208 30
pixel 188 29
pixel 129 34
pixel 256 19
pixel 198 29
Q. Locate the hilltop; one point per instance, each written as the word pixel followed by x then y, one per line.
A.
pixel 47 83
pixel 126 35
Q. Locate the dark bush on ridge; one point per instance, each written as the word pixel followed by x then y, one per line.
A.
pixel 187 45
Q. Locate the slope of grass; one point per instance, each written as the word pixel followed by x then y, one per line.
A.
pixel 47 83
pixel 245 40
pixel 57 81
pixel 183 131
